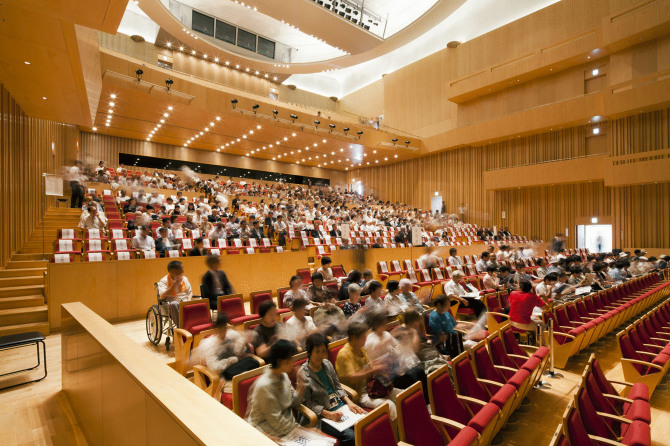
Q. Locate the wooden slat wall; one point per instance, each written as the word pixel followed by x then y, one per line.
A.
pixel 640 214
pixel 640 133
pixel 25 153
pixel 96 147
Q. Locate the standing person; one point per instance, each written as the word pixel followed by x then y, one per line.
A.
pixel 75 176
pixel 462 210
pixel 215 283
pixel 174 287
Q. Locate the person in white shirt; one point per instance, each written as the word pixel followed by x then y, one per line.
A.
pixel 76 184
pixel 217 232
pixel 455 290
pixel 453 260
pixel 490 280
pixel 155 200
pixel 299 326
pixel 280 229
pixel 545 288
pixel 483 263
pixel 143 241
pixel 91 219
pixel 174 287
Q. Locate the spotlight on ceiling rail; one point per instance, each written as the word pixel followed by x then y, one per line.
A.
pixel 293 118
pixel 332 127
pixel 275 113
pixel 255 107
pixel 168 83
pixel 395 140
pixel 139 74
pixel 234 102
pixel 346 129
pixel 316 123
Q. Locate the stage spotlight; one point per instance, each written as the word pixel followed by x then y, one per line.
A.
pixel 294 117
pixel 139 74
pixel 395 140
pixel 234 102
pixel 168 83
pixel 346 129
pixel 255 107
pixel 332 127
pixel 407 142
pixel 275 113
pixel 316 123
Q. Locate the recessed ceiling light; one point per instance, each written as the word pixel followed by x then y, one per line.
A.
pixel 113 96
pixel 237 66
pixel 181 48
pixel 110 110
pixel 165 115
pixel 95 129
pixel 26 62
pixel 44 98
pixel 192 51
pixel 251 132
pixel 204 56
pixel 107 124
pixel 162 121
pixel 258 127
pixel 170 107
pixel 238 139
pixel 324 141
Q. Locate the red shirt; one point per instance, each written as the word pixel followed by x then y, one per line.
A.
pixel 521 306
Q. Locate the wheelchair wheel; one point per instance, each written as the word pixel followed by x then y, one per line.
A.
pixel 154 325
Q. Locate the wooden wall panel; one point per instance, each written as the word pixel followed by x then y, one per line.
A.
pixel 26 153
pixel 641 133
pixel 96 147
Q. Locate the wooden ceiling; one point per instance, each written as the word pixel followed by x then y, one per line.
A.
pixel 204 118
pixel 49 51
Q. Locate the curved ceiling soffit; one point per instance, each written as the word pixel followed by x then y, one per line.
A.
pixel 431 18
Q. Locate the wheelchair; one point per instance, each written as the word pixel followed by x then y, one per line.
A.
pixel 158 321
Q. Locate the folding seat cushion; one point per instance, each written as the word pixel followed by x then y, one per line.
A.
pixel 629 352
pixel 469 385
pixel 196 317
pixel 487 370
pixel 233 307
pixel 418 427
pixel 636 409
pixel 637 391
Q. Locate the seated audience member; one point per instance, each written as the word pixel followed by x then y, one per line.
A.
pixel 272 398
pixel 541 270
pixel 378 243
pixel 266 333
pixel 521 273
pixel 455 290
pixel 225 352
pixel 411 333
pixel 506 278
pixel 143 241
pixel 562 289
pixel 346 245
pixel 453 260
pixel 393 302
pixel 490 280
pixel 616 271
pixel 316 292
pixel 442 327
pixel 257 232
pixel 329 314
pixel 217 232
pixel 353 277
pixel 93 219
pixel 325 270
pixel 522 303
pixel 174 287
pixel 380 344
pixel 576 276
pixel 189 224
pixel 374 301
pixel 323 393
pixel 198 248
pixel 162 243
pixel 296 291
pixel 352 305
pixel 215 283
pixel 483 263
pixel 545 288
pixel 354 369
pixel 406 293
pixel 367 278
pixel 130 206
pixel 299 326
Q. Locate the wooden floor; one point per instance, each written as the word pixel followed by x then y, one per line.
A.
pixel 39 414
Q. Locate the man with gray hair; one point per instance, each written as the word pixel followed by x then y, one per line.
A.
pixel 456 291
pixel 405 287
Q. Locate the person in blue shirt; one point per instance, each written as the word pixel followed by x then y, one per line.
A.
pixel 442 324
pixel 616 273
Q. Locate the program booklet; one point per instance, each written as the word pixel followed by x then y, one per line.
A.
pixel 348 419
pixel 305 437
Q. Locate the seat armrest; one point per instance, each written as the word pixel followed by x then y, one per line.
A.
pixel 618 398
pixel 644 363
pixel 488 381
pixel 615 417
pixel 447 422
pixel 260 360
pixel 351 392
pixel 601 440
pixel 309 414
pixel 469 399
pixel 502 367
pixel 512 355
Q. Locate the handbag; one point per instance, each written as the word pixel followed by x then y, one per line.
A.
pixel 452 346
pixel 243 365
pixel 376 389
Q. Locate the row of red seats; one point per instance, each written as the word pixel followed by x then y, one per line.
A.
pixel 580 323
pixel 600 415
pixel 645 347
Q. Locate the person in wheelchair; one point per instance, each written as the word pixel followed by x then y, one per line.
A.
pixel 174 288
